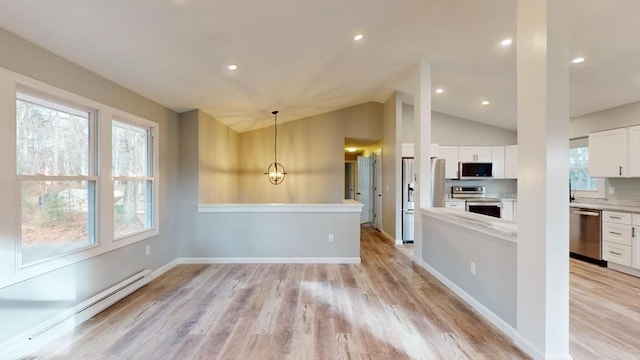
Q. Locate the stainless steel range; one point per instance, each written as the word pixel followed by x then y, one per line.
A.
pixel 477 200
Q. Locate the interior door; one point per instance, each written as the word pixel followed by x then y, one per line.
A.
pixel 377 190
pixel 364 188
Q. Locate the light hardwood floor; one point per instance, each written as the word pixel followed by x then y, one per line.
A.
pixel 385 308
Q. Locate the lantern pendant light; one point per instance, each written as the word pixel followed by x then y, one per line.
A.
pixel 275 172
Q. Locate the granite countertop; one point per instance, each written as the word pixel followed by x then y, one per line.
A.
pixel 503 229
pixel 606 206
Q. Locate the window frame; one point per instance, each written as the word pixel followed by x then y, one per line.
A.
pixel 599 193
pixel 152 173
pixel 11 83
pixel 64 105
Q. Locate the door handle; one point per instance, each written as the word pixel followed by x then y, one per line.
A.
pixel 588 213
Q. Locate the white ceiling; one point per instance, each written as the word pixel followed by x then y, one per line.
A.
pixel 300 57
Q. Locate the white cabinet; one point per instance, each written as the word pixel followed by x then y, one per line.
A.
pixel 455 204
pixel 511 162
pixel 450 155
pixel 634 151
pixel 608 152
pixel 507 210
pixel 474 153
pixel 635 242
pixel 497 158
pixel 616 238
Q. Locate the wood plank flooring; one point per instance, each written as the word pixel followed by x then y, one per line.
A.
pixel 385 308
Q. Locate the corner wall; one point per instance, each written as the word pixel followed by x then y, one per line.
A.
pixel 391 171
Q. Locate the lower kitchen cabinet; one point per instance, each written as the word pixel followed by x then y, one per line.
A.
pixel 507 210
pixel 617 246
pixel 455 205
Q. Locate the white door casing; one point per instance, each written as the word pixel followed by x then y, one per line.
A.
pixel 377 190
pixel 364 188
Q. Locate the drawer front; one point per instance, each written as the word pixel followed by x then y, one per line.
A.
pixel 616 217
pixel 456 205
pixel 616 253
pixel 617 233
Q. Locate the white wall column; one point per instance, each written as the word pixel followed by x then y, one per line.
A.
pixel 422 148
pixel 543 143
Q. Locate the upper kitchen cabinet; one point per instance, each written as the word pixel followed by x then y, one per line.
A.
pixel 634 151
pixel 511 162
pixel 608 152
pixel 497 158
pixel 474 153
pixel 450 155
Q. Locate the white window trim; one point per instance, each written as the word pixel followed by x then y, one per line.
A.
pixel 138 122
pixel 10 270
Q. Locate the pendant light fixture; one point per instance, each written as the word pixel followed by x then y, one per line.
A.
pixel 275 172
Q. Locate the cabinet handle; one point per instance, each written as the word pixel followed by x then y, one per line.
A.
pixel 615 217
pixel 633 232
pixel 620 171
pixel 615 233
pixel 615 253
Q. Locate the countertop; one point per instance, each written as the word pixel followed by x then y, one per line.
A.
pixel 503 229
pixel 612 207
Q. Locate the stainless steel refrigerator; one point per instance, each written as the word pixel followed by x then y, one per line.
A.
pixel 408 182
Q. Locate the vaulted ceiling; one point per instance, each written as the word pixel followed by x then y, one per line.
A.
pixel 300 56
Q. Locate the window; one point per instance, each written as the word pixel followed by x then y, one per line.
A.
pixel 582 185
pixel 579 170
pixel 55 158
pixel 133 180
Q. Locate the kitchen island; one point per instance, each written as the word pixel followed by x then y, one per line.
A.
pixel 475 256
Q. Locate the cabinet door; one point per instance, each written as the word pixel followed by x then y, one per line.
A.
pixel 474 153
pixel 497 158
pixel 635 247
pixel 608 153
pixel 634 151
pixel 450 155
pixel 507 210
pixel 511 162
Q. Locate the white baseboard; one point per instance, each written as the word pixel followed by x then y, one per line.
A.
pixel 271 260
pixel 34 338
pixel 390 238
pixel 163 269
pixel 481 309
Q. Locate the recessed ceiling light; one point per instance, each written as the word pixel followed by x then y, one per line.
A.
pixel 358 37
pixel 506 42
pixel 351 149
pixel 439 90
pixel 485 102
pixel 578 60
pixel 232 67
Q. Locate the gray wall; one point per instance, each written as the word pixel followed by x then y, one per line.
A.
pixel 261 235
pixel 617 117
pixel 312 152
pixel 450 249
pixel 217 161
pixel 28 303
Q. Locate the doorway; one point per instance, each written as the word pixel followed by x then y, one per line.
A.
pixel 349 180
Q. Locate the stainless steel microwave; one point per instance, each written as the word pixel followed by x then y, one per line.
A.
pixel 475 170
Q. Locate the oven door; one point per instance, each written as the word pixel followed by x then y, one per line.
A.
pixel 485 208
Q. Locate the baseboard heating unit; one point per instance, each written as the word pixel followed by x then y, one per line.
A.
pixel 37 336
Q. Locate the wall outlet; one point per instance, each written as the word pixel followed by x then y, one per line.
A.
pixel 473 268
pixel 330 237
pixel 148 250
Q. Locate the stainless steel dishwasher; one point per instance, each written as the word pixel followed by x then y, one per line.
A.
pixel 585 235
